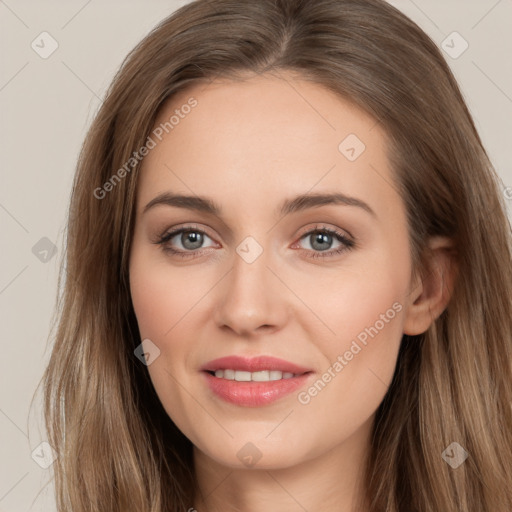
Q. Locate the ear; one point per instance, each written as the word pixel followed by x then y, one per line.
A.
pixel 430 294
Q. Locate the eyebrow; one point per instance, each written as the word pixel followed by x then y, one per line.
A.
pixel 295 204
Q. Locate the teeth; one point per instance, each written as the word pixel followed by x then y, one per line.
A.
pixel 261 376
pixel 228 374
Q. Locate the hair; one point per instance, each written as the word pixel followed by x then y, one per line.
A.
pixel 117 448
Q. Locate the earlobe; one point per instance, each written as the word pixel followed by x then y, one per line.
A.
pixel 431 293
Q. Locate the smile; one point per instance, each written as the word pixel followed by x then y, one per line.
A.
pixel 261 376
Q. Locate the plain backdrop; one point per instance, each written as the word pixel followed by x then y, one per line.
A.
pixel 46 106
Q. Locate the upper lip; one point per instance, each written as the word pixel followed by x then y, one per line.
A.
pixel 253 364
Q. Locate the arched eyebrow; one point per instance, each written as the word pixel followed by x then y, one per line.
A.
pixel 291 205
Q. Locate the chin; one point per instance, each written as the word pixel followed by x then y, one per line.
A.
pixel 257 454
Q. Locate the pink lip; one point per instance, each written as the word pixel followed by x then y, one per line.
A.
pixel 254 394
pixel 253 364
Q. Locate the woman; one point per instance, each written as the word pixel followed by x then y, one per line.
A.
pixel 212 352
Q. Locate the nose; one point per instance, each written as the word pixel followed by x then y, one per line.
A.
pixel 252 299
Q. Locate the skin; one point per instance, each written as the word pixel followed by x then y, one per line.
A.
pixel 248 145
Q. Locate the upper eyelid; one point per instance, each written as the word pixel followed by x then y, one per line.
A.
pixel 325 227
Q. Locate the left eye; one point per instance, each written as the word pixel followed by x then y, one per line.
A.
pixel 319 240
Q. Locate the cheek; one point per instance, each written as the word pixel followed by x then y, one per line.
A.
pixel 367 329
pixel 359 367
pixel 364 309
pixel 163 302
pixel 169 307
pixel 161 296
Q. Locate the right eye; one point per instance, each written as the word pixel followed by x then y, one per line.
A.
pixel 190 238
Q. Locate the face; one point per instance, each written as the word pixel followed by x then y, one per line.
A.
pixel 321 282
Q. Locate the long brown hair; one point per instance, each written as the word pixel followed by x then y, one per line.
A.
pixel 117 448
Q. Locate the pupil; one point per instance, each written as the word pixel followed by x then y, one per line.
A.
pixel 321 238
pixel 191 239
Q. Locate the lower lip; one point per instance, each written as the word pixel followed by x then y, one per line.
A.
pixel 254 394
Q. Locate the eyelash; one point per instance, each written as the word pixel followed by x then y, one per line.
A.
pixel 347 244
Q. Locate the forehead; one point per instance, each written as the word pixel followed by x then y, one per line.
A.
pixel 265 136
pixel 263 107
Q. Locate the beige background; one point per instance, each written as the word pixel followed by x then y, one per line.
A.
pixel 46 106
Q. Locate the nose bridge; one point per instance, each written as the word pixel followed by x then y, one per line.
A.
pixel 252 296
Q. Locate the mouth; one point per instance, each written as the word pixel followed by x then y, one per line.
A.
pixel 254 382
pixel 260 376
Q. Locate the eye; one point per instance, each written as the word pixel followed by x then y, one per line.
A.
pixel 321 239
pixel 187 239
